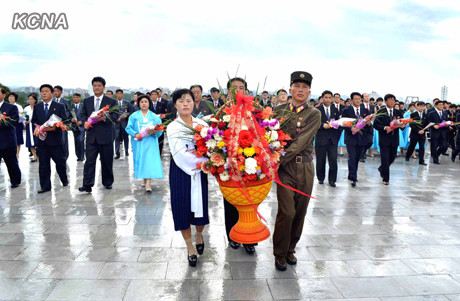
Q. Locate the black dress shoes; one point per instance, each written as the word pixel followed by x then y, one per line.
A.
pixel 332 184
pixel 108 187
pixel 192 260
pixel 407 159
pixel 14 185
pixel 321 182
pixel 65 184
pixel 386 182
pixel 85 189
pixel 422 163
pixel 353 184
pixel 43 190
pixel 250 249
pixel 117 157
pixel 436 162
pixel 234 244
pixel 200 247
pixel 280 264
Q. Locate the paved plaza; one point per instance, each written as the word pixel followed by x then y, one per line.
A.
pixel 374 242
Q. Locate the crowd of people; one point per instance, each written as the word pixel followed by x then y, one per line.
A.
pixel 110 135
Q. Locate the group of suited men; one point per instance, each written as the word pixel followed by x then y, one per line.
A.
pixel 327 138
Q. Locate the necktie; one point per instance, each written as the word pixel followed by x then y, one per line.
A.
pixel 46 109
pixel 391 114
pixel 440 115
pixel 421 116
pixel 97 104
pixel 327 114
pixel 357 113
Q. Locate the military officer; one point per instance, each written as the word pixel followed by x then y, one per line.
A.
pixel 296 169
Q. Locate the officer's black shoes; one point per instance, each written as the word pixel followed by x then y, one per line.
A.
pixel 65 184
pixel 250 249
pixel 43 190
pixel 14 185
pixel 280 264
pixel 422 163
pixel 192 260
pixel 234 244
pixel 108 187
pixel 291 259
pixel 353 184
pixel 85 189
pixel 321 182
pixel 332 184
pixel 407 159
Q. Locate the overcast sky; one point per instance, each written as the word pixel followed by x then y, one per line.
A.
pixel 400 47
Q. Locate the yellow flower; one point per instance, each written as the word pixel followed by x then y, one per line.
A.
pixel 267 138
pixel 241 167
pixel 258 167
pixel 221 144
pixel 240 151
pixel 249 151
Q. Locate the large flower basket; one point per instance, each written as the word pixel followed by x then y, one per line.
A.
pixel 249 229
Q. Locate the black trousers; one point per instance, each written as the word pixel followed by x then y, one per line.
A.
pixel 121 136
pixel 231 217
pixel 438 146
pixel 65 136
pixel 329 151
pixel 161 142
pixel 457 147
pixel 354 152
pixel 11 161
pixel 451 139
pixel 387 157
pixel 105 152
pixel 79 140
pixel 421 147
pixel 45 154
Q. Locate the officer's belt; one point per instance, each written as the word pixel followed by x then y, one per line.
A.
pixel 304 159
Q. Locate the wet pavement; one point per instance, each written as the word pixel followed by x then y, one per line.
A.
pixel 373 242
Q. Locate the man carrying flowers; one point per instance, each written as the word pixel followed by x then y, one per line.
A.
pixel 296 169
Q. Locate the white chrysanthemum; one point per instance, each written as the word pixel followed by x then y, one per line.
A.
pixel 204 132
pixel 275 144
pixel 226 118
pixel 211 143
pixel 218 137
pixel 224 176
pixel 250 166
pixel 273 136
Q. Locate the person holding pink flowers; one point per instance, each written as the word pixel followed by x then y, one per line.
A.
pixel 189 186
pixel 144 141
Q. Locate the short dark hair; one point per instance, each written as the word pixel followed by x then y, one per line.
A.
pixel 142 97
pixel 196 86
pixel 153 91
pixel 411 104
pixel 119 90
pixel 379 99
pixel 437 101
pixel 452 106
pixel 356 94
pixel 290 97
pixel 109 91
pixel 230 81
pixel 326 92
pixel 179 93
pixel 265 92
pixel 420 103
pixel 77 94
pixel 388 96
pixel 14 95
pixel 214 89
pixel 3 91
pixel 98 79
pixel 279 91
pixel 159 89
pixel 58 87
pixel 138 93
pixel 46 86
pixel 336 94
pixel 34 96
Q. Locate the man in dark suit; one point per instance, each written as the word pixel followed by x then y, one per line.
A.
pixel 124 110
pixel 368 134
pixel 417 135
pixel 355 143
pixel 52 147
pixel 326 141
pixel 78 128
pixel 457 141
pixel 8 142
pixel 337 103
pixel 158 107
pixel 59 99
pixel 452 131
pixel 215 98
pixel 265 102
pixel 438 135
pixel 99 137
pixel 388 137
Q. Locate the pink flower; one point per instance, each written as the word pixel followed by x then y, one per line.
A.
pixel 217 160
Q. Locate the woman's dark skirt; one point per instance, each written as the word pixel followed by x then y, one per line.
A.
pixel 180 185
pixel 19 133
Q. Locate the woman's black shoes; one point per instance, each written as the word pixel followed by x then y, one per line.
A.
pixel 200 247
pixel 250 249
pixel 234 244
pixel 192 260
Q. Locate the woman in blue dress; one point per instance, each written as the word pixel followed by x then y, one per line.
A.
pixel 146 151
pixel 31 140
pixel 188 186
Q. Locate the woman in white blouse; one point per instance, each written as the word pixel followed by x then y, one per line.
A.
pixel 189 187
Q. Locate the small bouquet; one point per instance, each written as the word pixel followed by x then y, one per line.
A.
pixel 24 116
pixel 93 118
pixel 145 129
pixel 54 120
pixel 445 123
pixel 342 122
pixel 5 119
pixel 400 123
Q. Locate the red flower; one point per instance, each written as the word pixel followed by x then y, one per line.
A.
pixel 281 136
pixel 213 170
pixel 221 169
pixel 201 142
pixel 245 139
pixel 214 124
pixel 227 135
pixel 222 125
pixel 250 177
